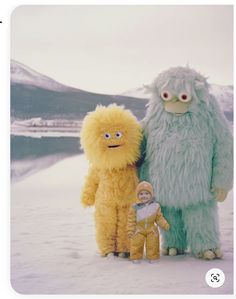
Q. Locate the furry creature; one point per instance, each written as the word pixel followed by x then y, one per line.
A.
pixel 188 158
pixel 111 137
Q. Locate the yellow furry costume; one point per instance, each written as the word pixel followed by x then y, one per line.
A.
pixel 111 137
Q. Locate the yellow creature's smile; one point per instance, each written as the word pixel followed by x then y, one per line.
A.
pixel 115 145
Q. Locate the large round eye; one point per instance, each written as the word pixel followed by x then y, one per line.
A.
pixel 166 95
pixel 107 135
pixel 184 97
pixel 118 134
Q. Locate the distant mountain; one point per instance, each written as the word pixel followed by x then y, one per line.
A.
pixel 22 74
pixel 225 97
pixel 35 95
pixel 140 93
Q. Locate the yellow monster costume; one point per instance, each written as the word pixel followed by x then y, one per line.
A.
pixel 111 137
pixel 142 226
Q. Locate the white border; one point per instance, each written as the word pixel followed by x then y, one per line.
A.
pixel 6 8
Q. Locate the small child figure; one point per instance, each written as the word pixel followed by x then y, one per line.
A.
pixel 143 218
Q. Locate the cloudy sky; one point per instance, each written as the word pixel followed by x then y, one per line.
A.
pixel 110 49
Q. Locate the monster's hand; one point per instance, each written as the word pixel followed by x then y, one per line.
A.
pixel 90 188
pixel 220 194
pixel 87 201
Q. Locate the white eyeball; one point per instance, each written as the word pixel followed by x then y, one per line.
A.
pixel 184 97
pixel 118 135
pixel 166 95
pixel 107 135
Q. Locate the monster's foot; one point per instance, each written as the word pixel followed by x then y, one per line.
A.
pixel 123 254
pixel 172 251
pixel 108 255
pixel 210 254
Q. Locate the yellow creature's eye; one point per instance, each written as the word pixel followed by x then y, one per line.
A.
pixel 107 135
pixel 118 135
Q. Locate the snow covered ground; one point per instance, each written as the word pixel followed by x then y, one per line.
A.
pixel 53 247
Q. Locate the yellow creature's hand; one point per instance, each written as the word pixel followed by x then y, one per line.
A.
pixel 220 194
pixel 87 201
pixel 90 188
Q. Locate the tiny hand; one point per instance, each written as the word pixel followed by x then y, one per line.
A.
pixel 220 194
pixel 167 226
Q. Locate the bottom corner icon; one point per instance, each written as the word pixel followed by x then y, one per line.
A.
pixel 215 278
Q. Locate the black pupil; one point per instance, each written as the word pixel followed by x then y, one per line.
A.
pixel 107 135
pixel 184 97
pixel 117 134
pixel 165 95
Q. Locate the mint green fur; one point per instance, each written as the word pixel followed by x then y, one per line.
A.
pixel 185 157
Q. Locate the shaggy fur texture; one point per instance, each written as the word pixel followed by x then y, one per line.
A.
pixel 111 139
pixel 186 156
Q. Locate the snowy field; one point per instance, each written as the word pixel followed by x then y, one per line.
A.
pixel 53 248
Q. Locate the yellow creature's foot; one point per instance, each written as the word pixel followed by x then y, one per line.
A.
pixel 123 254
pixel 108 255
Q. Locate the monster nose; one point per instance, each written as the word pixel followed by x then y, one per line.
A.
pixel 174 99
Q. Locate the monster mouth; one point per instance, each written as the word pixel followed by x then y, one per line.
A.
pixel 178 108
pixel 113 146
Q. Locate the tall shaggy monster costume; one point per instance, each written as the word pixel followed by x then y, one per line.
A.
pixel 188 158
pixel 111 138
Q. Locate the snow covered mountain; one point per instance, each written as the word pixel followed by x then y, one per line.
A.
pixel 23 74
pixel 34 95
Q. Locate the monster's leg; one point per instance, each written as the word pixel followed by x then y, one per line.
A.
pixel 175 237
pixel 201 223
pixel 122 240
pixel 106 222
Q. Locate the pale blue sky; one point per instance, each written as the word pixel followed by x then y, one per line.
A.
pixel 110 49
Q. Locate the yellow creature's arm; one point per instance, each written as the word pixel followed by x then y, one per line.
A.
pixel 161 221
pixel 131 224
pixel 90 187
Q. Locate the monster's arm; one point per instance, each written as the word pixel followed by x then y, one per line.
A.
pixel 222 162
pixel 142 164
pixel 90 187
